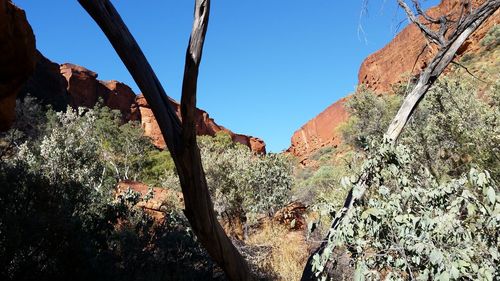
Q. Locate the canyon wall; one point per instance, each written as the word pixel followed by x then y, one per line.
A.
pixel 74 85
pixel 408 53
pixel 319 132
pixel 24 70
pixel 17 58
pixel 405 55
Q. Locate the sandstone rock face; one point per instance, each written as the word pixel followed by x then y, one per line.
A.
pixel 119 96
pixel 83 87
pixel 379 72
pixel 24 70
pixel 319 132
pixel 47 84
pixel 17 59
pixel 204 126
pixel 400 57
pixel 148 122
pixel 70 84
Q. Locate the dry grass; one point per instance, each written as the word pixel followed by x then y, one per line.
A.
pixel 289 251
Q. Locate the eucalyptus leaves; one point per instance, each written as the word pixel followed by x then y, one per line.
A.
pixel 411 227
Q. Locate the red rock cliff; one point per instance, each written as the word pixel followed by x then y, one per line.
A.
pixel 396 60
pixel 320 131
pixel 204 126
pixel 379 72
pixel 78 86
pixel 17 58
pixel 24 70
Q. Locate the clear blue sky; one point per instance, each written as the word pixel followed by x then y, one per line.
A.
pixel 269 66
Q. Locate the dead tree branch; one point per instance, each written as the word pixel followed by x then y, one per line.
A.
pixel 427 78
pixel 468 71
pixel 429 34
pixel 438 64
pixel 180 137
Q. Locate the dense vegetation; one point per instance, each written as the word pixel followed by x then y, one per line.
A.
pixel 63 218
pixel 432 209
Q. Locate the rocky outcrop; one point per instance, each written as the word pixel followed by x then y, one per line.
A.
pixel 70 84
pixel 407 54
pixel 204 126
pixel 119 96
pixel 17 59
pixel 84 89
pixel 47 84
pixel 403 57
pixel 320 131
pixel 292 215
pixel 155 200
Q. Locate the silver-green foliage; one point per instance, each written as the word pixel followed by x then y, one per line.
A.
pixel 414 227
pixel 492 38
pixel 87 146
pixel 68 152
pixel 452 127
pixel 240 181
pixel 430 211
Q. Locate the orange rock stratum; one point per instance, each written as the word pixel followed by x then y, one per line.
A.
pixel 378 72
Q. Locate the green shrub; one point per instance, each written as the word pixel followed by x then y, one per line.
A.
pixel 240 182
pixel 370 115
pixel 430 210
pixel 412 227
pixel 492 39
pixel 60 218
pixel 323 154
pixel 451 127
pixel 158 164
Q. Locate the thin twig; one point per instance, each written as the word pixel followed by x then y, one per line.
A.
pixel 468 71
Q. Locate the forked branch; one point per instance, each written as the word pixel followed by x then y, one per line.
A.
pixel 438 64
pixel 180 137
pixel 429 34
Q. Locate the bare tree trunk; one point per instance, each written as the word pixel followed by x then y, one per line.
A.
pixel 180 137
pixel 443 58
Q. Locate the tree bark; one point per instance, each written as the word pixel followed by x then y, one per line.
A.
pixel 438 64
pixel 427 78
pixel 180 136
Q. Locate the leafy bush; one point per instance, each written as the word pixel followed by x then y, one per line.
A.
pixel 28 125
pixel 322 154
pixel 414 227
pixel 61 219
pixel 88 146
pixel 65 230
pixel 370 116
pixel 159 166
pixel 492 39
pixel 431 207
pixel 240 181
pixel 450 128
pixel 242 184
